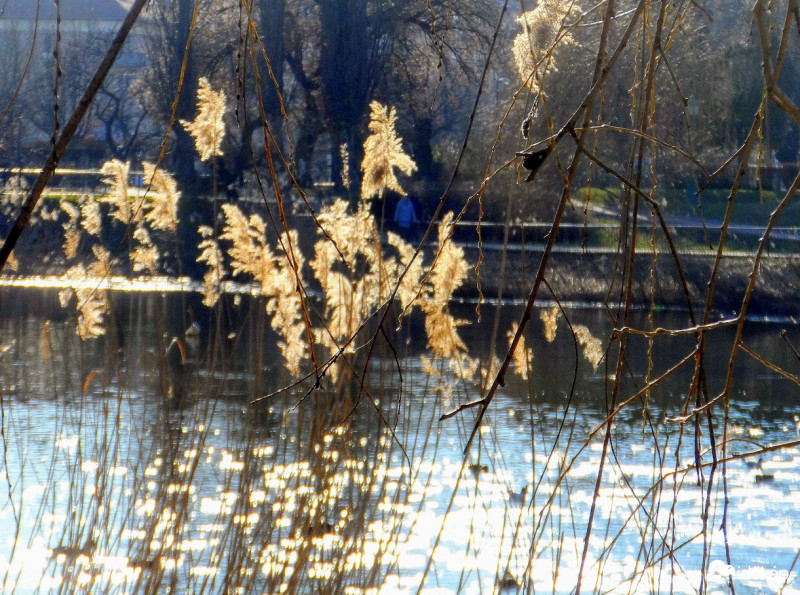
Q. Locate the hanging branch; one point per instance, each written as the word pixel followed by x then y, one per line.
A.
pixel 601 73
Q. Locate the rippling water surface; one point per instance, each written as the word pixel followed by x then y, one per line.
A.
pixel 107 488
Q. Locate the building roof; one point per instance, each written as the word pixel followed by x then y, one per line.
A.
pixel 71 10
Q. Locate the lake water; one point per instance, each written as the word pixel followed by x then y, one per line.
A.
pixel 106 488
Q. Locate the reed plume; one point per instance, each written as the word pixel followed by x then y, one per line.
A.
pixel 72 234
pixel 450 269
pixel 118 196
pixel 448 273
pixel 542 29
pixel 251 255
pixel 353 273
pixel 441 329
pixel 162 208
pixel 91 297
pixel 383 151
pixel 345 155
pixel 286 307
pixel 15 189
pixel 522 355
pixel 550 320
pixel 592 346
pixel 101 267
pixel 144 256
pixel 249 252
pixel 208 127
pixel 408 290
pixel 91 218
pixel 211 254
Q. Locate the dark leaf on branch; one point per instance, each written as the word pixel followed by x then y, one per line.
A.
pixel 533 161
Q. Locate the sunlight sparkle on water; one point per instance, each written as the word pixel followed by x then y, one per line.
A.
pixel 257 497
pixel 249 519
pixel 215 506
pixel 229 463
pixel 263 451
pixel 89 466
pixel 67 443
pixel 134 534
pixel 343 512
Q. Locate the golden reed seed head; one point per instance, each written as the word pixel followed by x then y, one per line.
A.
pixel 116 172
pixel 208 127
pixel 542 30
pixel 522 355
pixel 383 152
pixel 162 206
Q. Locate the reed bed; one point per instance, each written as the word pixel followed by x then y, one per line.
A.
pixel 294 442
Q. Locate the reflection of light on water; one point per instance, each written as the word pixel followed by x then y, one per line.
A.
pixel 133 534
pixel 257 497
pixel 321 570
pixel 89 466
pixel 249 519
pixel 67 443
pixel 229 463
pixel 215 506
pixel 348 510
pixel 181 488
pixel 146 507
pixel 262 451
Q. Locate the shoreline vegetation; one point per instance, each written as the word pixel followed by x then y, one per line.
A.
pixel 578 273
pixel 580 279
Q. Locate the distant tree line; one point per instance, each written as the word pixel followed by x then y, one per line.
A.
pixel 311 67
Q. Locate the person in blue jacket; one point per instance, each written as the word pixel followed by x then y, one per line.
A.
pixel 405 217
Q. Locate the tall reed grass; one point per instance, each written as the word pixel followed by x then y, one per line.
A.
pixel 321 472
